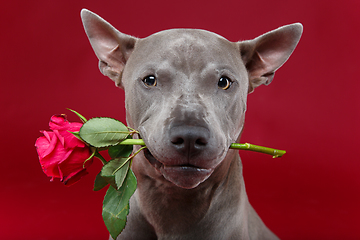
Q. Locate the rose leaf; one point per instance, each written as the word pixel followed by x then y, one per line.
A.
pixel 114 171
pixel 82 118
pixel 120 151
pixel 100 182
pixel 116 205
pixel 103 132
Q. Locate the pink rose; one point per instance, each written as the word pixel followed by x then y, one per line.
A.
pixel 61 154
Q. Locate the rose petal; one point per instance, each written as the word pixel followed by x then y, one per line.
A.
pixel 74 177
pixel 75 161
pixel 47 135
pixel 45 145
pixel 42 144
pixel 58 122
pixel 61 154
pixel 70 140
pixel 74 126
pixel 64 158
pixel 60 137
pixel 51 161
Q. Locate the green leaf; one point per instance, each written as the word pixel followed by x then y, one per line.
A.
pixel 89 158
pixel 103 132
pixel 116 205
pixel 120 151
pixel 82 118
pixel 121 174
pixel 114 172
pixel 100 182
pixel 76 134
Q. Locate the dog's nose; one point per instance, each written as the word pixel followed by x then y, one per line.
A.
pixel 189 140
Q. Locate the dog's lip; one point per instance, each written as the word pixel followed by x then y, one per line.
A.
pixel 152 160
pixel 186 176
pixel 174 168
pixel 185 169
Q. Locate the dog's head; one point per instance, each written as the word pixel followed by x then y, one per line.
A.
pixel 186 89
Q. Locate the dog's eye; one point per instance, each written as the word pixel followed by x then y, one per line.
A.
pixel 150 81
pixel 224 83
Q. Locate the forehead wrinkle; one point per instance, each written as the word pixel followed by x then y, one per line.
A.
pixel 186 53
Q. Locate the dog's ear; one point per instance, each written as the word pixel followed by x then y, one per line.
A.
pixel 112 47
pixel 263 55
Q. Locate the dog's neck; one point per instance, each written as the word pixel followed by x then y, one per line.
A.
pixel 171 209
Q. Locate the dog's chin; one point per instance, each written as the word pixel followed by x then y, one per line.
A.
pixel 184 176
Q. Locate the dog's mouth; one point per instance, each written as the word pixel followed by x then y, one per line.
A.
pixel 185 176
pixel 152 160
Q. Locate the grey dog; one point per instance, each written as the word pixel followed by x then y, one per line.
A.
pixel 186 91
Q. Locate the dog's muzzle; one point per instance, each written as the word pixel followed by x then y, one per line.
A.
pixel 183 175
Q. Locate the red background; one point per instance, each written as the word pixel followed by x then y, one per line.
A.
pixel 312 109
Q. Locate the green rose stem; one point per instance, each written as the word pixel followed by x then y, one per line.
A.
pixel 247 146
pixel 240 146
pixel 99 156
pixel 129 158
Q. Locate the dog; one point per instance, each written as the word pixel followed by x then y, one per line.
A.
pixel 185 92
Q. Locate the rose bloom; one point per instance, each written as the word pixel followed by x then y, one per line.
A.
pixel 61 154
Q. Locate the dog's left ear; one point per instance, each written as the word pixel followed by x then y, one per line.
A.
pixel 263 55
pixel 112 47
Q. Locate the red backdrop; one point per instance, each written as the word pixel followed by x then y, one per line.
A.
pixel 312 109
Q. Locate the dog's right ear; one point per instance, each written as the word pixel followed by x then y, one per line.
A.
pixel 263 55
pixel 112 47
